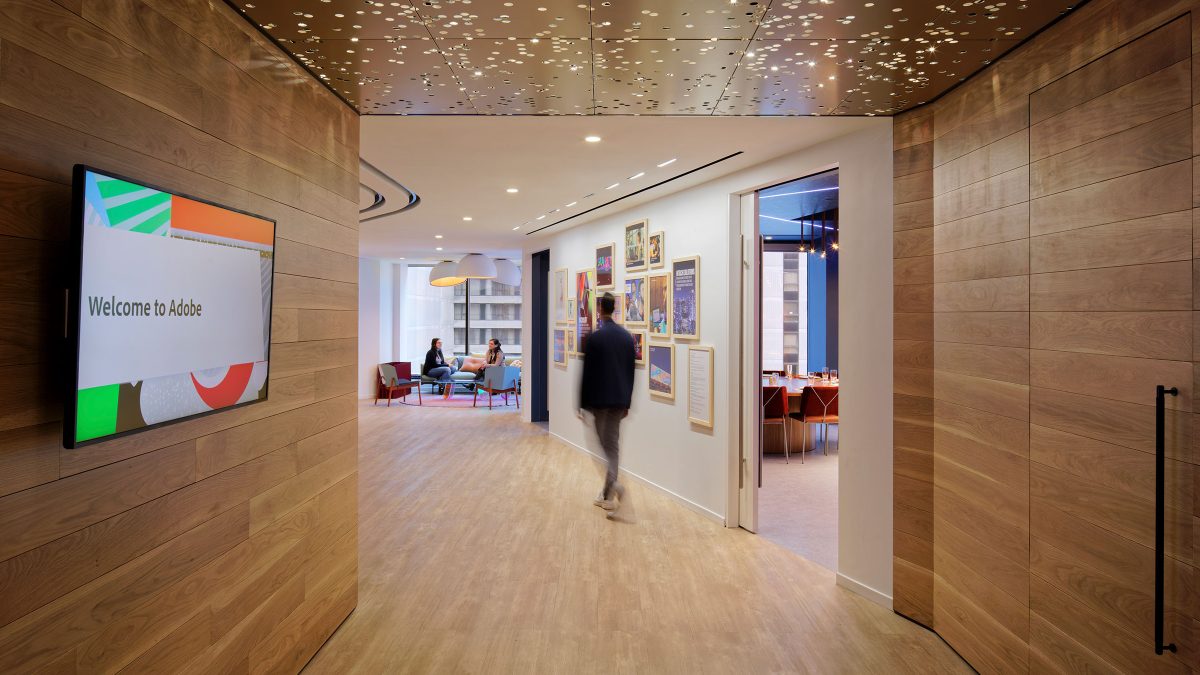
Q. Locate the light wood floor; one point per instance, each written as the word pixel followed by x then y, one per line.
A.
pixel 481 552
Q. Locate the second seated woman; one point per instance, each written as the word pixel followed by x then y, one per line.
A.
pixel 494 357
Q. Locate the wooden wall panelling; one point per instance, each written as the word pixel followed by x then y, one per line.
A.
pixel 913 369
pixel 981 362
pixel 185 546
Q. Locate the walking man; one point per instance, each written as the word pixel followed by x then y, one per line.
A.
pixel 605 391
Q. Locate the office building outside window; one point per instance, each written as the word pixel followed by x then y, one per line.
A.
pixel 494 312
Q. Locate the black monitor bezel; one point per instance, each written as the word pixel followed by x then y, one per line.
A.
pixel 74 307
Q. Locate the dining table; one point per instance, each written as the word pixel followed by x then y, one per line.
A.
pixel 795 387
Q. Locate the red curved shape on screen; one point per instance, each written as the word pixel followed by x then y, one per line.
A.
pixel 229 390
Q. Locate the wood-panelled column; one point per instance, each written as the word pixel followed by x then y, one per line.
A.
pixel 226 543
pixel 981 371
pixel 912 428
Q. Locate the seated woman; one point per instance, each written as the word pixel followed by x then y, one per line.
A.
pixel 494 357
pixel 435 365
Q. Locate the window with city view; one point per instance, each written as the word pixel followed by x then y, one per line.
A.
pixel 429 311
pixel 494 312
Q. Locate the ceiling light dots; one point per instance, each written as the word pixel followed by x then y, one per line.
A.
pixel 689 66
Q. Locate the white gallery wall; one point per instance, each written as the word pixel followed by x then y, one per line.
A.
pixel 375 301
pixel 698 465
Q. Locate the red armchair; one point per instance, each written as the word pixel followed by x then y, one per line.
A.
pixel 395 379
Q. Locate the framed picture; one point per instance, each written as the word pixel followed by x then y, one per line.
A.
pixel 561 290
pixel 700 385
pixel 656 250
pixel 571 343
pixel 635 301
pixel 571 310
pixel 639 348
pixel 658 305
pixel 605 270
pixel 618 308
pixel 685 297
pixel 661 370
pixel 635 246
pixel 585 306
pixel 560 346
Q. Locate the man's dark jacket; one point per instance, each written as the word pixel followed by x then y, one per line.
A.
pixel 607 368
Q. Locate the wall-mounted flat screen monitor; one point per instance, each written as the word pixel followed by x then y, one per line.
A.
pixel 169 311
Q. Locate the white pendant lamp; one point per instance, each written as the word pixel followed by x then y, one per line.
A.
pixel 445 274
pixel 476 266
pixel 507 272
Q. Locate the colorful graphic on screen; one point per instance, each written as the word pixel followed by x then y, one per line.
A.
pixel 174 307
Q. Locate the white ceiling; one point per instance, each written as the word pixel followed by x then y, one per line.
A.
pixel 461 166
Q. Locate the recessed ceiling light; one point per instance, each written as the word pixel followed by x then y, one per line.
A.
pixel 571 204
pixel 517 227
pixel 612 186
pixel 592 139
pixel 466 217
pixel 667 162
pixel 637 175
pixel 512 191
pixel 542 217
pixel 438 248
pixel 437 236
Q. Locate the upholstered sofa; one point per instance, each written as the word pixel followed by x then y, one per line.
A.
pixel 459 376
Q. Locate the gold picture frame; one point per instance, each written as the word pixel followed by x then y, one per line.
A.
pixel 635 245
pixel 660 370
pixel 559 346
pixel 634 296
pixel 605 281
pixel 700 385
pixel 685 297
pixel 656 250
pixel 562 291
pixel 658 306
pixel 639 347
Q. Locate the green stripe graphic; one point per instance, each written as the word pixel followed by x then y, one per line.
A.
pixel 96 412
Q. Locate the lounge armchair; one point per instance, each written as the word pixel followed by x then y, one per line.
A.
pixel 395 377
pixel 500 380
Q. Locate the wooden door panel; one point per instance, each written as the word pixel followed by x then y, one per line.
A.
pixel 1110 286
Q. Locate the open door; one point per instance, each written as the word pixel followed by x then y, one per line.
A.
pixel 751 401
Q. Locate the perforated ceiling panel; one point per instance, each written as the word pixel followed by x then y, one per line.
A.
pixel 646 57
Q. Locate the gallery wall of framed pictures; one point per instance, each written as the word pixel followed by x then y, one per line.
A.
pixel 656 300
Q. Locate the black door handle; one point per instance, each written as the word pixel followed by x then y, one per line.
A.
pixel 1160 469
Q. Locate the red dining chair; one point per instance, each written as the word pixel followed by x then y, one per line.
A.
pixel 818 405
pixel 775 411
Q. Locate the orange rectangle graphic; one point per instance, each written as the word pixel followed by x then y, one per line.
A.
pixel 193 216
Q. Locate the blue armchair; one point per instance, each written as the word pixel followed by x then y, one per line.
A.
pixel 500 380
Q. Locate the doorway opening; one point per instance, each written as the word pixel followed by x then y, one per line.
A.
pixel 797 331
pixel 539 409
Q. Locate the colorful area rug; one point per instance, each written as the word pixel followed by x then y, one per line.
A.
pixel 458 400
